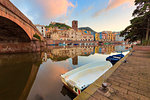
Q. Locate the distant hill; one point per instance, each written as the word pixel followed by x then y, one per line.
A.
pixel 87 28
pixel 59 25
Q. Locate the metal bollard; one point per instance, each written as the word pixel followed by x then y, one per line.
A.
pixel 104 86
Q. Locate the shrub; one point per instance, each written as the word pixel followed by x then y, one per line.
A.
pixel 37 36
pixel 146 42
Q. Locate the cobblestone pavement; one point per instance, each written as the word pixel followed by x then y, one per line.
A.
pixel 131 81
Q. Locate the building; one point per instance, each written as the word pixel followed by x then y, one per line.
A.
pixel 50 30
pixel 97 37
pixel 100 36
pixel 108 36
pixel 92 33
pixel 86 35
pixel 75 25
pixel 42 29
pixel 72 34
pixel 118 37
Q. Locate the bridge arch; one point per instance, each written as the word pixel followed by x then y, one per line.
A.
pixel 10 13
pixel 11 31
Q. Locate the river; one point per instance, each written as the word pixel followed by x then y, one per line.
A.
pixel 36 76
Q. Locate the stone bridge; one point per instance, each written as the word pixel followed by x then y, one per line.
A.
pixel 14 25
pixel 16 31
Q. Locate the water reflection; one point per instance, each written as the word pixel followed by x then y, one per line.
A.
pixel 65 92
pixel 48 85
pixel 17 74
pixel 75 60
pixel 37 76
pixel 63 53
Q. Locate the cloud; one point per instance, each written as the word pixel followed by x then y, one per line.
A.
pixel 113 4
pixel 55 8
pixel 87 9
pixel 65 18
pixel 45 11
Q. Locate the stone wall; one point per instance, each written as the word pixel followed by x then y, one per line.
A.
pixel 141 48
pixel 34 46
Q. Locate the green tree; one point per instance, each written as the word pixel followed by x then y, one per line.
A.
pixel 143 9
pixel 140 25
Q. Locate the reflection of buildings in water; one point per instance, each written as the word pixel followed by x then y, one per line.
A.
pixel 105 49
pixel 128 46
pixel 96 49
pixel 121 48
pixel 110 49
pixel 85 51
pixel 44 57
pixel 64 53
pixel 75 60
pixel 59 54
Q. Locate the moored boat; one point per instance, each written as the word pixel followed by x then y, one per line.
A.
pixel 114 58
pixel 118 56
pixel 80 78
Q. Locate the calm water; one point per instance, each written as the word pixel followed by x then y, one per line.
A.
pixel 36 76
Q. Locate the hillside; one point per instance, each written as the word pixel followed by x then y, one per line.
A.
pixel 87 28
pixel 59 25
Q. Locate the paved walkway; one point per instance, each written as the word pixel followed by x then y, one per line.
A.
pixel 131 81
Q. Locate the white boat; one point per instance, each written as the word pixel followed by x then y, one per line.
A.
pixel 80 78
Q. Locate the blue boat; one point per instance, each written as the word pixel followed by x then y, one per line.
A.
pixel 114 58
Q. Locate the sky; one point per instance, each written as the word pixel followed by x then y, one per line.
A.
pixel 100 15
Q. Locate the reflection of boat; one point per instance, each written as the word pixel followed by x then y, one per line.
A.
pixel 66 92
pixel 114 58
pixel 80 78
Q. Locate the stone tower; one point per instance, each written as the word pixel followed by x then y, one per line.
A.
pixel 75 25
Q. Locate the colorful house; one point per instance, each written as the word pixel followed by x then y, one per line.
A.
pixel 100 36
pixel 97 37
pixel 92 33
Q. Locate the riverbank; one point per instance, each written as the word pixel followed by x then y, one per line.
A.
pixel 21 47
pixel 130 81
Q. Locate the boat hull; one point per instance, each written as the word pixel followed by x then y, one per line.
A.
pixel 114 58
pixel 69 87
pixel 80 78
